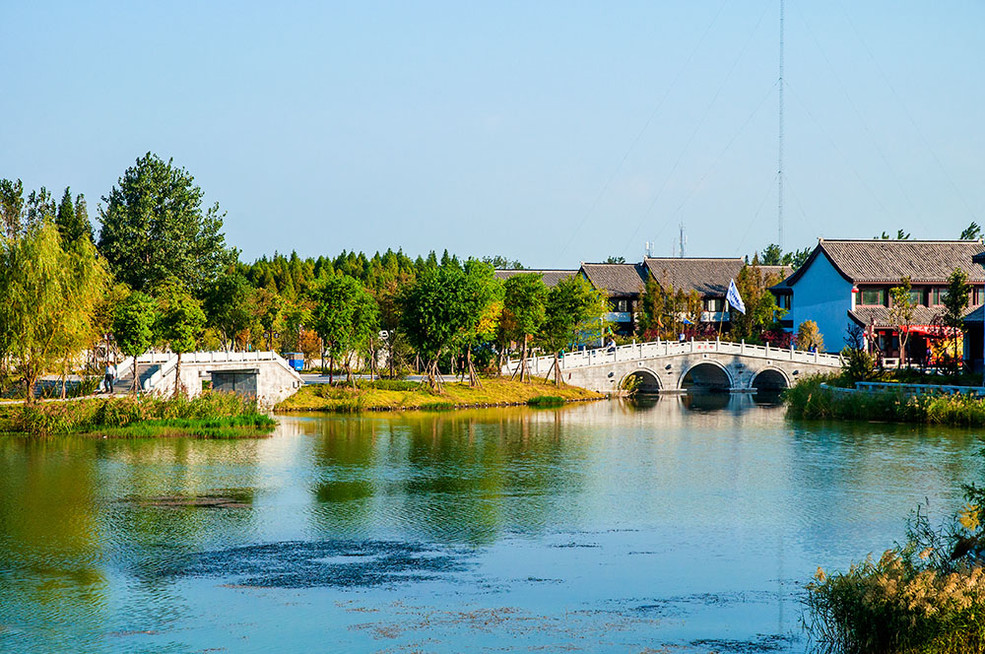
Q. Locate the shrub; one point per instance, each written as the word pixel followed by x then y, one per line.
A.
pixel 926 596
pixel 88 415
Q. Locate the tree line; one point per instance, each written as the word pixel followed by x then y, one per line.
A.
pixel 159 274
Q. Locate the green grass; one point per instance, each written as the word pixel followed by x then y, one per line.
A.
pixel 212 414
pixel 387 395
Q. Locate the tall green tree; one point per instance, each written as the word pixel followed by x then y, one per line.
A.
pixel 666 312
pixel 477 314
pixel 133 328
pixel 524 298
pixel 762 312
pixel 49 300
pixel 230 306
pixel 574 310
pixel 972 232
pixel 267 311
pixel 434 314
pixel 345 317
pixel 154 228
pixel 955 302
pixel 901 313
pixel 40 207
pixel 180 324
pixel 72 219
pixel 11 207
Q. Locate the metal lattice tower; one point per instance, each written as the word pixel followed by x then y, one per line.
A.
pixel 779 165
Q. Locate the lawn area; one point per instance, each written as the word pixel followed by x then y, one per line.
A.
pixel 389 395
pixel 210 415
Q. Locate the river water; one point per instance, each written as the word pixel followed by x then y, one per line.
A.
pixel 681 526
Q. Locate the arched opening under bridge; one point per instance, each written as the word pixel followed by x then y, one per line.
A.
pixel 706 377
pixel 641 382
pixel 770 380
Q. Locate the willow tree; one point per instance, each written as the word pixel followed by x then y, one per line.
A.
pixel 573 312
pixel 50 297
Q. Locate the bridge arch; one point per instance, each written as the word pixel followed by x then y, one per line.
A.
pixel 706 375
pixel 649 381
pixel 770 379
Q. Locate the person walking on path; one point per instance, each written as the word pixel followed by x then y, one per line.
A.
pixel 110 376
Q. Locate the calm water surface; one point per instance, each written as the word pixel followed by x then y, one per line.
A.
pixel 681 526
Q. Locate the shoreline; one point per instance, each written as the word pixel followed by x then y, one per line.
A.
pixel 450 407
pixel 411 396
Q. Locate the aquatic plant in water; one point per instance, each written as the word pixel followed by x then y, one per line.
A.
pixel 925 596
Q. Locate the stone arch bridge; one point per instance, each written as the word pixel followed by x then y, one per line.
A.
pixel 671 366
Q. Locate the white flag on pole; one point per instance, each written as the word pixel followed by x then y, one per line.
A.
pixel 733 297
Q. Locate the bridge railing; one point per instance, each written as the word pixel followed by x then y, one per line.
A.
pixel 660 349
pixel 168 362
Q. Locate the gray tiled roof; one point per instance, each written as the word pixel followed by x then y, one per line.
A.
pixel 616 278
pixel 888 261
pixel 921 316
pixel 708 276
pixel 550 277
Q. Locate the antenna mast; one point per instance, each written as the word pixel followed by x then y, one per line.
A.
pixel 779 166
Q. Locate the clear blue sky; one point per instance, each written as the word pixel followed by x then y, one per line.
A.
pixel 551 132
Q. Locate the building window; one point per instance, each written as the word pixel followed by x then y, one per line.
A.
pixel 714 304
pixel 783 301
pixel 936 297
pixel 976 296
pixel 916 296
pixel 873 297
pixel 622 306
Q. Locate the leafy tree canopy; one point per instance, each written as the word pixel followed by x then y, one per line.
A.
pixel 72 219
pixel 500 262
pixel 972 232
pixel 154 229
pixel 133 324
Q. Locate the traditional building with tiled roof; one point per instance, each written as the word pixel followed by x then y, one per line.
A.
pixel 623 284
pixel 845 282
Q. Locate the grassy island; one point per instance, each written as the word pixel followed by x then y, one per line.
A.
pixel 210 415
pixel 393 395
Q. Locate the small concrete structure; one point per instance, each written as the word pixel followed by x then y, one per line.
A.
pixel 670 366
pixel 264 375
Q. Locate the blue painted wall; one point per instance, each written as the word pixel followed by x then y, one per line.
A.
pixel 824 296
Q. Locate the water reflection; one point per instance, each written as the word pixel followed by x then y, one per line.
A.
pixel 457 477
pixel 710 507
pixel 50 561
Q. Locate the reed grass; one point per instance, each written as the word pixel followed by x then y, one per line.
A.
pixel 807 399
pixel 205 415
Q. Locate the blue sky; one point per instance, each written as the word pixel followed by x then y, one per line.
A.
pixel 550 132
